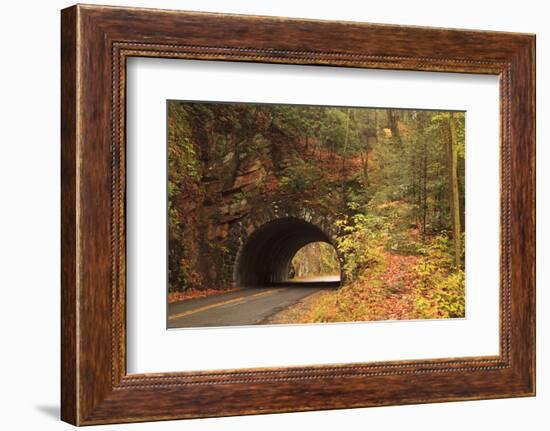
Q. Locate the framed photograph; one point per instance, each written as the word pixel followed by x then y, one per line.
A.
pixel 264 215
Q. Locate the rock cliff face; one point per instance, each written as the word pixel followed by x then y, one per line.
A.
pixel 233 169
pixel 232 199
pixel 232 213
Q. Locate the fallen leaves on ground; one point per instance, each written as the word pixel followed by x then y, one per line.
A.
pixel 387 293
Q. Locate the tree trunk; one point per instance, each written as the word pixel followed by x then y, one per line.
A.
pixel 452 156
pixel 393 119
pixel 424 187
pixel 344 154
pixel 364 153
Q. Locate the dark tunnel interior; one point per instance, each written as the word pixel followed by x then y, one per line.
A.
pixel 266 257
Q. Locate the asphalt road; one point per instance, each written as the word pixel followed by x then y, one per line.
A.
pixel 249 306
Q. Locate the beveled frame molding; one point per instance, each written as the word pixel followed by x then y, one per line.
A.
pixel 96 41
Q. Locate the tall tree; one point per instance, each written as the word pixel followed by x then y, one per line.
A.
pixel 393 120
pixel 449 134
pixel 424 175
pixel 344 154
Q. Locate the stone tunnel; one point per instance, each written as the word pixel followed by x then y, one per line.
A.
pixel 266 256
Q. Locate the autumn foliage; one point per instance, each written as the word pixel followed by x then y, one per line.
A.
pixel 392 182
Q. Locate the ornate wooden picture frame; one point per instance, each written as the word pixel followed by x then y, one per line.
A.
pixel 96 41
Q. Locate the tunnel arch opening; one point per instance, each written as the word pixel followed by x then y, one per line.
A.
pixel 266 256
pixel 315 262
